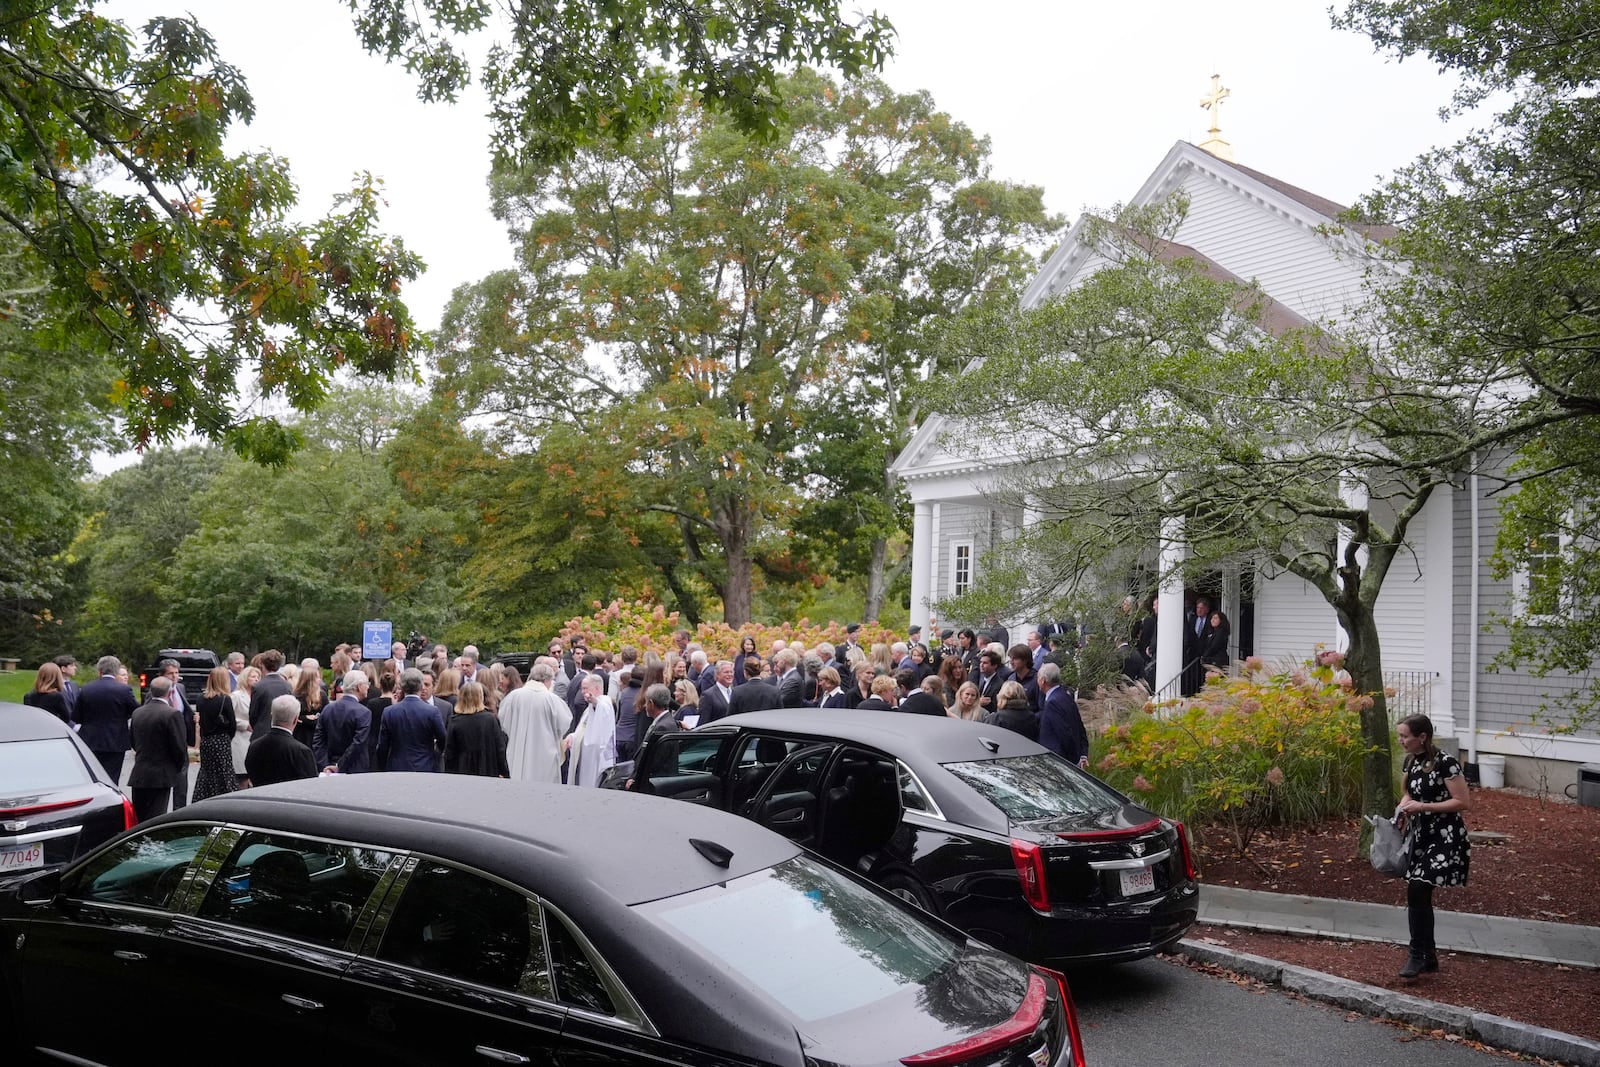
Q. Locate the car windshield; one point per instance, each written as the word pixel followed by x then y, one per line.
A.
pixel 40 766
pixel 1034 787
pixel 816 942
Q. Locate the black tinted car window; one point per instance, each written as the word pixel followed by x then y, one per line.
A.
pixel 301 888
pixel 40 766
pixel 467 927
pixel 142 870
pixel 1035 787
pixel 815 941
pixel 684 755
pixel 577 982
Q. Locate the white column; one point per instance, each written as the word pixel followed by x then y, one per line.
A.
pixel 1169 613
pixel 1232 605
pixel 1438 640
pixel 922 556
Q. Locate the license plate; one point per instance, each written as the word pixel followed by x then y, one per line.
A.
pixel 21 859
pixel 1138 881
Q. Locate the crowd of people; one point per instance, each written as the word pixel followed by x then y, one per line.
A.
pixel 580 710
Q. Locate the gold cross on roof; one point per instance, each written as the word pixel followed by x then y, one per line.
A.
pixel 1212 102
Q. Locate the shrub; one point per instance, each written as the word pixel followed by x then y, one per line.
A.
pixel 1245 753
pixel 647 625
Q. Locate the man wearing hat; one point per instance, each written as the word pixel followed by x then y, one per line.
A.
pixel 945 647
pixel 851 640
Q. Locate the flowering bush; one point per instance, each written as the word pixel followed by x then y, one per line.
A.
pixel 648 626
pixel 1258 750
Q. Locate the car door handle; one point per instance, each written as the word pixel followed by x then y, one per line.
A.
pixel 501 1056
pixel 301 1002
pixel 129 955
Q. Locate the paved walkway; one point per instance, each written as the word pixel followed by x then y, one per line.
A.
pixel 1486 935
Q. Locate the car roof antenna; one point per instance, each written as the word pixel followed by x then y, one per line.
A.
pixel 989 743
pixel 721 855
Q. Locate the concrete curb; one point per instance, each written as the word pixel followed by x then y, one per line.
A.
pixel 1375 1001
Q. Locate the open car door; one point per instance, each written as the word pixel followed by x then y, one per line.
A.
pixel 790 801
pixel 684 766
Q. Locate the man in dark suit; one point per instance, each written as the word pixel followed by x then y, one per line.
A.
pixel 69 688
pixel 715 701
pixel 921 699
pixel 997 633
pixel 340 741
pixel 1060 725
pixel 790 682
pixel 104 707
pixel 271 686
pixel 160 755
pixel 276 756
pixel 755 694
pixel 989 679
pixel 411 735
pixel 1196 632
pixel 178 697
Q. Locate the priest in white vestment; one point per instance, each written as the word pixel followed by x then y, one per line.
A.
pixel 535 721
pixel 593 743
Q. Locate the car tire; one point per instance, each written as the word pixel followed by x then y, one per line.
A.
pixel 910 890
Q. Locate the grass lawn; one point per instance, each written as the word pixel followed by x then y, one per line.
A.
pixel 12 686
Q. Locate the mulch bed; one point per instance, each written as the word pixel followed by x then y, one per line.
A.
pixel 1544 994
pixel 1547 868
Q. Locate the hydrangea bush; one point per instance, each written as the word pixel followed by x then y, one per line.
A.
pixel 647 625
pixel 1262 749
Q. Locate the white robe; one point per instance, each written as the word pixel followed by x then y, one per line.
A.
pixel 535 720
pixel 594 743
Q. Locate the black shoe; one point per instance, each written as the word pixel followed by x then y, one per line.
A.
pixel 1415 965
pixel 1430 963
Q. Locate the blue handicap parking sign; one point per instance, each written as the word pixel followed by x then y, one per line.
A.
pixel 377 639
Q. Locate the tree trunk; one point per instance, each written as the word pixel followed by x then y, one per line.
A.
pixel 877 583
pixel 738 593
pixel 1364 661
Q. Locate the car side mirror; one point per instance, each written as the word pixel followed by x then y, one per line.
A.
pixel 40 888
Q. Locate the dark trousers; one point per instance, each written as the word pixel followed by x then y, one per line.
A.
pixel 1419 916
pixel 180 791
pixel 148 802
pixel 112 762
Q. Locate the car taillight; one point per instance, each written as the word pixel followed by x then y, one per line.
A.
pixel 40 809
pixel 1019 1027
pixel 144 681
pixel 1074 1035
pixel 128 817
pixel 1190 871
pixel 1109 835
pixel 1029 859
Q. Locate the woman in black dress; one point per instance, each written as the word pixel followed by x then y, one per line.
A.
pixel 474 742
pixel 48 692
pixel 1436 795
pixel 1215 653
pixel 747 647
pixel 218 724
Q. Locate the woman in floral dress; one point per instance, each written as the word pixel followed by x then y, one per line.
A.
pixel 1436 795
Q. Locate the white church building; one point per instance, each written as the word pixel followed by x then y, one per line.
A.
pixel 1288 241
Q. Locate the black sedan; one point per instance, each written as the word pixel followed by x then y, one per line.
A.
pixel 974 823
pixel 56 801
pixel 433 919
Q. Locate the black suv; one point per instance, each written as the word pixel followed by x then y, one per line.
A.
pixel 194 664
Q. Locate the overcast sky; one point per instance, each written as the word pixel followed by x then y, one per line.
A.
pixel 1081 98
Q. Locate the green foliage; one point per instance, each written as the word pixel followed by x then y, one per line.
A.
pixel 131 542
pixel 1501 236
pixel 725 327
pixel 1250 752
pixel 174 258
pixel 585 72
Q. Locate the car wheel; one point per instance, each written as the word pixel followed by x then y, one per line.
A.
pixel 911 891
